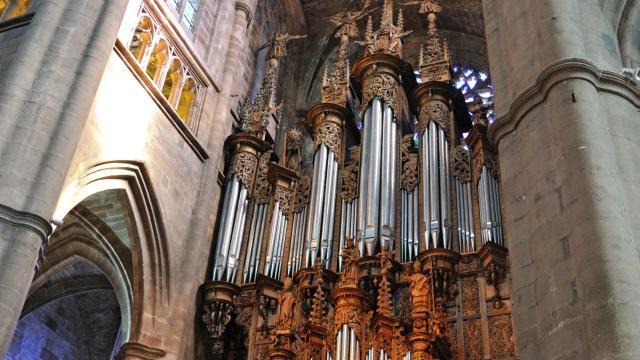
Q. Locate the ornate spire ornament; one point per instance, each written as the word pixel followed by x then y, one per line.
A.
pixel 264 106
pixel 435 64
pixel 388 38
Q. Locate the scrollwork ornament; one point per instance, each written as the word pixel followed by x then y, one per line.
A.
pixel 263 187
pixel 349 190
pixel 488 159
pixel 410 178
pixel 283 196
pixel 243 165
pixel 385 87
pixel 301 198
pixel 329 134
pixel 436 111
pixel 349 315
pixel 462 166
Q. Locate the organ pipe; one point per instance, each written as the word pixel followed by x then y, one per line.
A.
pixel 490 216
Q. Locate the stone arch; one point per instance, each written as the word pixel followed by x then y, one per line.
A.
pixel 84 237
pixel 149 251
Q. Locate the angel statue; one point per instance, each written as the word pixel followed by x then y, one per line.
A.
pixel 279 44
pixel 346 21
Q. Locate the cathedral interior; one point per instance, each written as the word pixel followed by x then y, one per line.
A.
pixel 319 179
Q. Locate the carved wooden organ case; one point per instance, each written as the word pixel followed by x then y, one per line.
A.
pixel 390 246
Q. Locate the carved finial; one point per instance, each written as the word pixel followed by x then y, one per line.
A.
pixel 401 20
pixel 434 60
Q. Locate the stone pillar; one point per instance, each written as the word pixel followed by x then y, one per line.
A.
pixel 48 87
pixel 568 135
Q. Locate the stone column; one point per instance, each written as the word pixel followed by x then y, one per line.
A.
pixel 48 86
pixel 568 138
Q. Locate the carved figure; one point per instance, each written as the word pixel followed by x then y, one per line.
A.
pixel 287 302
pixel 419 289
pixel 350 256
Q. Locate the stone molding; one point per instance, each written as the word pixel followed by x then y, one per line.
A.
pixel 29 221
pixel 555 73
pixel 136 350
pixel 244 7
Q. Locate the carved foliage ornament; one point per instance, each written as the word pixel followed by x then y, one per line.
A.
pixel 462 166
pixel 301 198
pixel 283 196
pixel 263 187
pixel 350 173
pixel 243 165
pixel 488 159
pixel 410 177
pixel 385 87
pixel 435 111
pixel 329 134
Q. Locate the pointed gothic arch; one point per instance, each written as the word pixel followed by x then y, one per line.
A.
pixel 149 257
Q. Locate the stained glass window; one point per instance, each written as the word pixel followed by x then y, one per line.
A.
pixel 476 87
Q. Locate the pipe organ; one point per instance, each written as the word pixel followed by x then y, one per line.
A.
pixel 389 244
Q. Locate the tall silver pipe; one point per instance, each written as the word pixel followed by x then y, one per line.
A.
pixel 272 236
pixel 343 231
pixel 373 191
pixel 332 212
pixel 345 341
pixel 315 220
pixel 403 226
pixel 238 229
pixel 225 223
pixel 444 181
pixel 338 350
pixel 293 244
pixel 385 181
pixel 352 344
pixel 262 224
pixel 280 246
pixel 312 207
pixel 248 256
pixel 365 164
pixel 459 212
pixel 322 221
pixel 224 236
pixel 393 173
pixel 472 238
pixel 426 205
pixel 303 226
pixel 416 230
pixel 434 184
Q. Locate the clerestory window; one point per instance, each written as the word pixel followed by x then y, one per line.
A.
pixel 13 8
pixel 187 10
pixel 167 68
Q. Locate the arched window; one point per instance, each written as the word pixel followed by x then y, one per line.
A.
pixel 158 58
pixel 187 99
pixel 172 81
pixel 142 38
pixel 13 8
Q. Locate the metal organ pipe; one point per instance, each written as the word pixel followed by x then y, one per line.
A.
pixel 437 188
pixel 490 216
pixel 322 204
pixel 232 225
pixel 236 240
pixel 376 207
